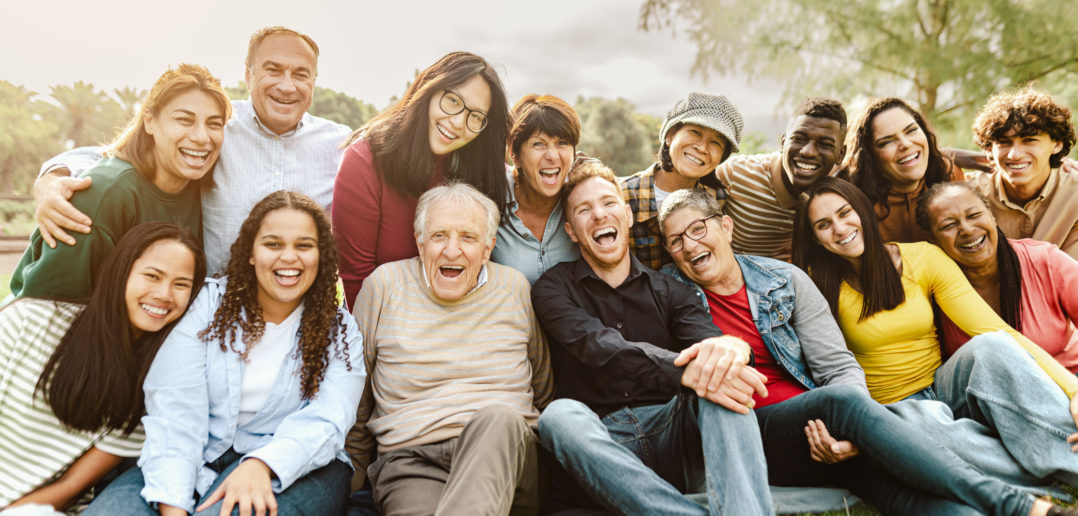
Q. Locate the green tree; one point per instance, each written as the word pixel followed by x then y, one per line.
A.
pixel 237 92
pixel 330 104
pixel 612 131
pixel 341 107
pixel 130 99
pixel 946 56
pixel 84 114
pixel 754 142
pixel 27 139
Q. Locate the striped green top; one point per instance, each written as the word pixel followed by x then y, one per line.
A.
pixel 34 447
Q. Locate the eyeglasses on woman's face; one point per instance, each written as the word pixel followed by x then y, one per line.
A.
pixel 697 229
pixel 451 103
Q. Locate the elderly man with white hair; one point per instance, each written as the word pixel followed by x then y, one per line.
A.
pixel 459 370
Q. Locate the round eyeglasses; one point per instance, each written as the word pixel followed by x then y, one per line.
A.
pixel 452 103
pixel 697 229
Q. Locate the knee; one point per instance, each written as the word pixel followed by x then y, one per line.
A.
pixel 995 350
pixel 499 418
pixel 847 395
pixel 565 417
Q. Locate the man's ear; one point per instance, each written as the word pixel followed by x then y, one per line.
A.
pixel 572 234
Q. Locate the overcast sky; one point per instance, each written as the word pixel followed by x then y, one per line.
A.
pixel 370 49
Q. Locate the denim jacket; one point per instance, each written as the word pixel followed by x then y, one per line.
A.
pixel 794 322
pixel 193 399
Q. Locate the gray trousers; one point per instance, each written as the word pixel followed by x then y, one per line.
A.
pixel 492 468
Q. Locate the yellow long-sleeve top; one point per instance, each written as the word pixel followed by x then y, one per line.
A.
pixel 898 348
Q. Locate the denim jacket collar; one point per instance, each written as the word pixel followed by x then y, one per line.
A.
pixel 772 301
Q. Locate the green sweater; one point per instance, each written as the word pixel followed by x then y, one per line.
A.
pixel 118 200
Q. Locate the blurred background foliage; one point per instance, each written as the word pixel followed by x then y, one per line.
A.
pixel 945 56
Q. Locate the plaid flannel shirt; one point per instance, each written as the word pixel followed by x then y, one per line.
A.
pixel 646 243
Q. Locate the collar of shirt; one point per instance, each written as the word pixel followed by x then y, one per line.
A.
pixel 582 270
pixel 1046 191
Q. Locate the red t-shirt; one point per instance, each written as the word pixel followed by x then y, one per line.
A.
pixel 734 317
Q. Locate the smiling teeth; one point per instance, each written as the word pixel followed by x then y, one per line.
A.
pixel 805 166
pixel 197 154
pixel 549 171
pixel 848 239
pixel 694 159
pixel 445 133
pixel 453 267
pixel 909 158
pixel 282 101
pixel 1018 166
pixel 287 272
pixel 975 243
pixel 603 232
pixel 153 309
pixel 700 257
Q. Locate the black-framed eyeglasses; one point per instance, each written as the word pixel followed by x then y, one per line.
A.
pixel 452 103
pixel 697 229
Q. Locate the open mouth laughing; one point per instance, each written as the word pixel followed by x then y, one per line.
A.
pixel 287 277
pixel 910 160
pixel 605 236
pixel 451 271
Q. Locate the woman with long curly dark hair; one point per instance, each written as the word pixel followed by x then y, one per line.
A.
pixel 250 399
pixel 892 157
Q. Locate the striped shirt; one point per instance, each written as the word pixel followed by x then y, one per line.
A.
pixel 433 363
pixel 34 447
pixel 761 226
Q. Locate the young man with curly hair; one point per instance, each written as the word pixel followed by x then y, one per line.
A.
pixel 1026 135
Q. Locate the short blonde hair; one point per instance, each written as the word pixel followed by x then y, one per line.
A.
pixel 583 170
pixel 261 34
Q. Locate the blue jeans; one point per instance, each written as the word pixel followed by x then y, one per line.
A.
pixel 900 470
pixel 640 460
pixel 1010 420
pixel 322 491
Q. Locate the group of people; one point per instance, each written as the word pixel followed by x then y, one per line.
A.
pixel 545 336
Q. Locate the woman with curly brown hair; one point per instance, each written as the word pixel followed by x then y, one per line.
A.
pixel 892 157
pixel 1026 135
pixel 251 396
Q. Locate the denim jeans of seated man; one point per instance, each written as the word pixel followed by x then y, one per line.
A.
pixel 1010 420
pixel 640 460
pixel 322 491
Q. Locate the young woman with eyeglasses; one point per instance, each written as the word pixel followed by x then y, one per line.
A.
pixel 451 123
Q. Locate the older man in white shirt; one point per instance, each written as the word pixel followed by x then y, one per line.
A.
pixel 271 143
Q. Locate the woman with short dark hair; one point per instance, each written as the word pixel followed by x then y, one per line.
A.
pixel 542 144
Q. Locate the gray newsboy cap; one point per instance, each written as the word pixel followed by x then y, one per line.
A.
pixel 711 111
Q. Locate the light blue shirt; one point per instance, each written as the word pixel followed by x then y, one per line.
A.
pixel 518 248
pixel 254 163
pixel 193 404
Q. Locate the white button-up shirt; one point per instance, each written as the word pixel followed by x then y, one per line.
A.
pixel 254 163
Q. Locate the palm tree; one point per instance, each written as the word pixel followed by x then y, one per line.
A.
pixel 86 115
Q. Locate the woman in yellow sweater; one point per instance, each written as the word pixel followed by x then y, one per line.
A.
pixel 882 295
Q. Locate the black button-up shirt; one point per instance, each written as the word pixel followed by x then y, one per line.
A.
pixel 615 347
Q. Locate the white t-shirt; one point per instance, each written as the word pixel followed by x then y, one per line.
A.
pixel 264 364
